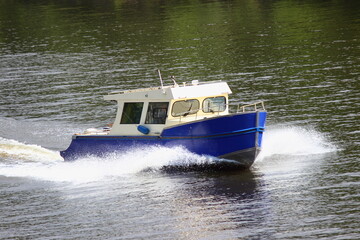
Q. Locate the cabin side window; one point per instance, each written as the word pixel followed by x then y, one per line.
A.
pixel 214 104
pixel 131 113
pixel 185 107
pixel 157 113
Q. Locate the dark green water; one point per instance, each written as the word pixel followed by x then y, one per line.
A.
pixel 57 59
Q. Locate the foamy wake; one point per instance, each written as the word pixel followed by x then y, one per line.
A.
pixel 23 160
pixel 26 160
pixel 12 149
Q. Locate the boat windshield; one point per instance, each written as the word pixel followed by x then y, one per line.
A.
pixel 185 107
pixel 214 104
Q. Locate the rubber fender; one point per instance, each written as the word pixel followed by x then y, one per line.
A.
pixel 143 129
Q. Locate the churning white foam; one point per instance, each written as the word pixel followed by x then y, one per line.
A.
pixel 23 160
pixel 92 168
pixel 12 149
pixel 294 141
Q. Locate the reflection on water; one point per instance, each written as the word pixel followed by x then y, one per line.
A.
pixel 58 59
pixel 219 204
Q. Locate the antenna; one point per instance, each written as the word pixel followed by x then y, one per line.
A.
pixel 173 78
pixel 161 81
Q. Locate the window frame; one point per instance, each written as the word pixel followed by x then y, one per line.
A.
pixel 219 107
pixel 185 113
pixel 125 116
pixel 152 112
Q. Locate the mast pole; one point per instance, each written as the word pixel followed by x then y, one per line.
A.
pixel 161 80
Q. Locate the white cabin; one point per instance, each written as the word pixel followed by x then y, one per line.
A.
pixel 160 107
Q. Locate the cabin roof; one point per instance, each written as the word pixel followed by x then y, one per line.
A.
pixel 193 90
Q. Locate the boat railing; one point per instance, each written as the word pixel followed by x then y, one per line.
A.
pixel 256 106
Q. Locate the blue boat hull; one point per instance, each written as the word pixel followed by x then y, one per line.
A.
pixel 235 137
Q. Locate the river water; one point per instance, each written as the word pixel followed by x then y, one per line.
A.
pixel 57 59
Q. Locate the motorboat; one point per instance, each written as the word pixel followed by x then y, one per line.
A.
pixel 195 115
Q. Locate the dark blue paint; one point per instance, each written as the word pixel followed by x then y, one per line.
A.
pixel 214 136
